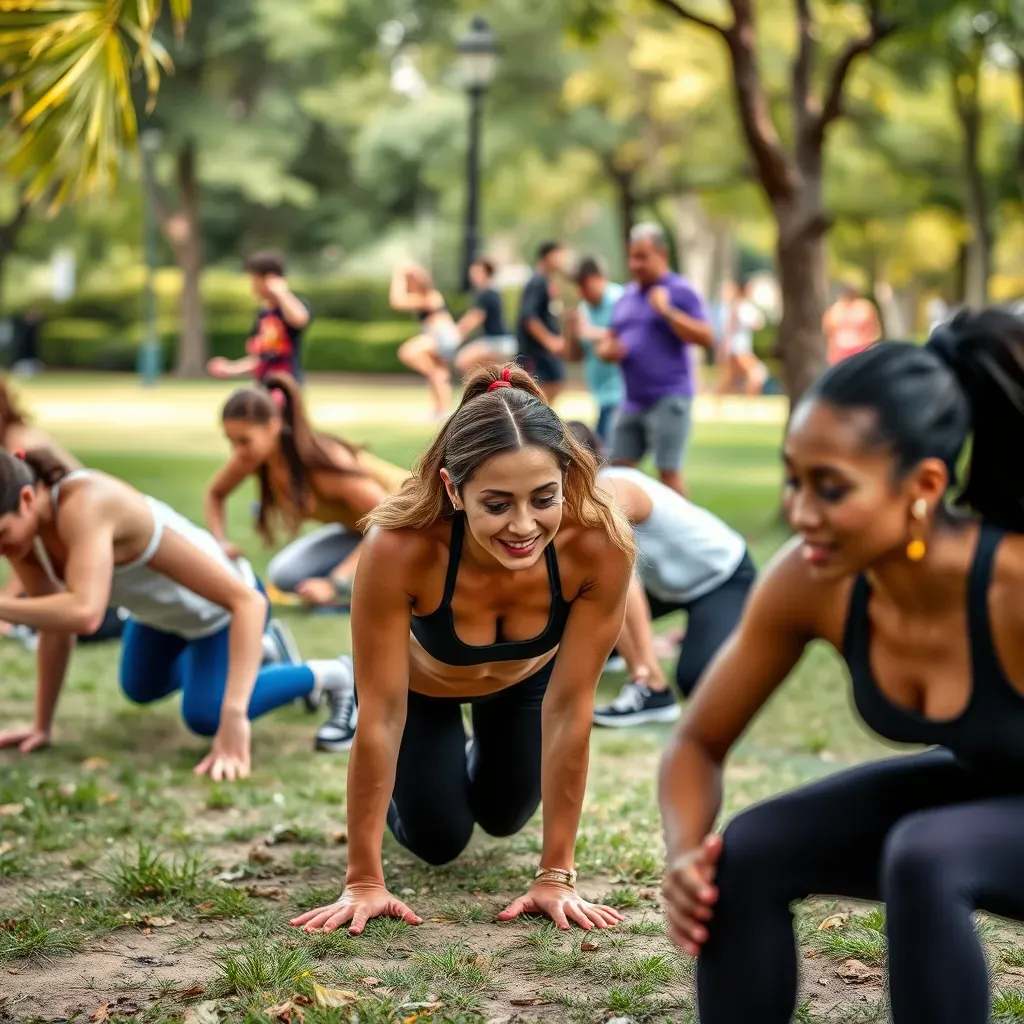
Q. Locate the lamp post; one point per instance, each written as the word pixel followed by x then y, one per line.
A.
pixel 478 62
pixel 148 366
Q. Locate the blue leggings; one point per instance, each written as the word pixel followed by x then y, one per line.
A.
pixel 155 664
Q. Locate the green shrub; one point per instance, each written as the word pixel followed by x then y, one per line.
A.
pixel 330 346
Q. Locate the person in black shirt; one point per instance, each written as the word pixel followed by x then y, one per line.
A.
pixel 541 346
pixel 495 344
pixel 276 340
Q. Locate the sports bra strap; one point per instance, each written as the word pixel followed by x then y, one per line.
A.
pixel 553 578
pixel 454 555
pixel 989 538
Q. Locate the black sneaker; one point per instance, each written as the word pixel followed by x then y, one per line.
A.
pixel 338 732
pixel 637 704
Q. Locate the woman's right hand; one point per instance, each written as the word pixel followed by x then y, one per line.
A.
pixel 690 894
pixel 359 903
pixel 26 739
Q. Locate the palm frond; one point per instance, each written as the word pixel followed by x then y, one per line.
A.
pixel 71 63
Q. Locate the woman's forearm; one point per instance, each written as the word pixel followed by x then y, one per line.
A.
pixel 65 612
pixel 371 781
pixel 689 793
pixel 564 761
pixel 245 652
pixel 636 641
pixel 213 513
pixel 52 657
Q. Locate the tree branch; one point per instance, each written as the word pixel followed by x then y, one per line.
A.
pixel 832 107
pixel 804 62
pixel 687 15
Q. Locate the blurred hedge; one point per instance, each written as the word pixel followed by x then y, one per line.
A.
pixel 329 346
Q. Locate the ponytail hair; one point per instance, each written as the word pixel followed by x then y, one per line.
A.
pixel 304 449
pixel 502 410
pixel 11 413
pixel 968 378
pixel 26 469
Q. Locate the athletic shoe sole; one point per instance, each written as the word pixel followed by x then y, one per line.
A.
pixel 334 746
pixel 669 714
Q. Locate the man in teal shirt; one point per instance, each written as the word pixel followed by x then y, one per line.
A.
pixel 598 296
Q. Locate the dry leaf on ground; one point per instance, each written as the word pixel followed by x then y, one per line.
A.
pixel 286 1013
pixel 833 922
pixel 589 947
pixel 854 971
pixel 11 810
pixel 267 892
pixel 158 922
pixel 530 1001
pixel 340 836
pixel 6 848
pixel 260 855
pixel 101 1013
pixel 369 982
pixel 94 764
pixel 327 997
pixel 192 993
pixel 203 1013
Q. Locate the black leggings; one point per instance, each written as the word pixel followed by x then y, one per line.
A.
pixel 930 838
pixel 709 622
pixel 440 794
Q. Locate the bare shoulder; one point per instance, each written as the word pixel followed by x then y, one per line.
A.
pixel 1008 579
pixel 789 595
pixel 588 555
pixel 406 555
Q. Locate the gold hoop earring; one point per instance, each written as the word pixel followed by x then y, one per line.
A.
pixel 916 548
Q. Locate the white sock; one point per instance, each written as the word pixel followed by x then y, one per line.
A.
pixel 330 674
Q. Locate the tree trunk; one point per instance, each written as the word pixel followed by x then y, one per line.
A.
pixel 625 193
pixel 979 248
pixel 1020 137
pixel 695 239
pixel 804 290
pixel 183 232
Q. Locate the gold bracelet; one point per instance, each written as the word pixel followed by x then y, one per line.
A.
pixel 556 875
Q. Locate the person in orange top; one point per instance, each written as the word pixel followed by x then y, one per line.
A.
pixel 851 324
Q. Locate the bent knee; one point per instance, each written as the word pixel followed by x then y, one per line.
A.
pixel 436 848
pixel 754 845
pixel 916 851
pixel 202 719
pixel 282 574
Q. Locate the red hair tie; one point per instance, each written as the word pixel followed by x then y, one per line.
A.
pixel 277 397
pixel 20 454
pixel 505 381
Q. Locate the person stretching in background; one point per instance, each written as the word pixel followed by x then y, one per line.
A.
pixel 276 342
pixel 430 353
pixel 495 344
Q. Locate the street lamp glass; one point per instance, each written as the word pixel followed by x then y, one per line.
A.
pixel 478 55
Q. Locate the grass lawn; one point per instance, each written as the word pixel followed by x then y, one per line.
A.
pixel 129 890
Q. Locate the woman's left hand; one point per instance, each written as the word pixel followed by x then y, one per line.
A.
pixel 562 904
pixel 318 591
pixel 229 758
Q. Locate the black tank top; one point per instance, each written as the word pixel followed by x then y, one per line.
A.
pixel 990 731
pixel 436 631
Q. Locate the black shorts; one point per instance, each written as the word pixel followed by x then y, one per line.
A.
pixel 546 368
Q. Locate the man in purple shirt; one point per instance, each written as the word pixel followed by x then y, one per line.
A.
pixel 655 322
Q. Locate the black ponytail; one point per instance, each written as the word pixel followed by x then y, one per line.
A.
pixel 985 352
pixel 927 400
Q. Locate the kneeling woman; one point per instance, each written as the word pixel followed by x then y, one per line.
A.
pixel 497 579
pixel 927 609
pixel 81 541
pixel 687 560
pixel 302 474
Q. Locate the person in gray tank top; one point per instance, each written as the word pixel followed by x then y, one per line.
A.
pixel 81 541
pixel 687 560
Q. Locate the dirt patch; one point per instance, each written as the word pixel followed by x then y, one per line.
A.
pixel 126 965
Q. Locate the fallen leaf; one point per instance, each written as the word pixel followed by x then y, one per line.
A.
pixel 203 1013
pixel 158 922
pixel 589 947
pixel 11 810
pixel 833 922
pixel 340 836
pixel 193 993
pixel 327 997
pixel 369 982
pixel 260 855
pixel 267 892
pixel 101 1013
pixel 6 848
pixel 481 961
pixel 407 891
pixel 530 1001
pixel 205 906
pixel 108 798
pixel 285 1012
pixel 854 971
pixel 232 874
pixel 300 1000
pixel 647 894
pixel 94 764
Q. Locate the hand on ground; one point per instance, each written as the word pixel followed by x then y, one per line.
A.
pixel 563 905
pixel 317 591
pixel 26 739
pixel 690 894
pixel 229 758
pixel 358 904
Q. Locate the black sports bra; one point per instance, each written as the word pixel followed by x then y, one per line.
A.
pixel 426 314
pixel 436 631
pixel 990 730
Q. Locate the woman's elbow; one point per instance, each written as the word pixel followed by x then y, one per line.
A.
pixel 88 619
pixel 250 602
